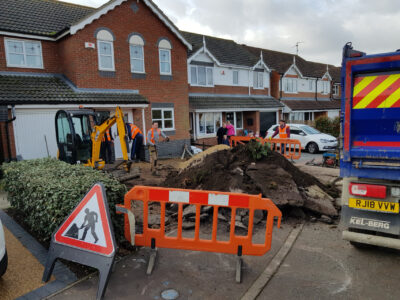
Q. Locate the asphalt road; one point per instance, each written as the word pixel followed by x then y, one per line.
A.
pixel 319 266
pixel 306 157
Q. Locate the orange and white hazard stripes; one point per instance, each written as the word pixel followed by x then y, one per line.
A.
pixel 199 197
pixel 378 91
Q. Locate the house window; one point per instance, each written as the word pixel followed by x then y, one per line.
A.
pixel 325 87
pixel 201 75
pixel 236 119
pixel 24 54
pixel 164 117
pixel 105 50
pixel 235 77
pixel 258 78
pixel 310 85
pixel 136 44
pixel 336 90
pixel 208 123
pixel 291 85
pixel 164 50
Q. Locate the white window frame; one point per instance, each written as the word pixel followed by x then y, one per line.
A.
pixel 112 55
pixel 24 53
pixel 197 75
pixel 325 87
pixel 235 119
pixel 295 88
pixel 310 85
pixel 131 59
pixel 233 77
pixel 336 89
pixel 205 134
pixel 170 61
pixel 163 119
pixel 258 74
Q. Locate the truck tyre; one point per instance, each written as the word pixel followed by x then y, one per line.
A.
pixel 3 264
pixel 312 148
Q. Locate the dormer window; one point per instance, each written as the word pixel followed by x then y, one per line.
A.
pixel 325 87
pixel 258 78
pixel 290 85
pixel 201 75
pixel 105 50
pixel 164 50
pixel 23 54
pixel 136 50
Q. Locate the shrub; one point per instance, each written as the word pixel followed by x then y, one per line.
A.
pixel 329 126
pixel 45 191
pixel 258 150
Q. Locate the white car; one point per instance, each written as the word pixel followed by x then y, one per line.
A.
pixel 3 252
pixel 310 138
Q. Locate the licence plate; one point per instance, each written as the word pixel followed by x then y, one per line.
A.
pixel 390 207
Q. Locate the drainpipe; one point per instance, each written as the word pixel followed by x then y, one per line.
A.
pixel 316 90
pixel 280 87
pixel 8 134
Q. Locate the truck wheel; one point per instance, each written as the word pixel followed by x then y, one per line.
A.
pixel 3 264
pixel 312 148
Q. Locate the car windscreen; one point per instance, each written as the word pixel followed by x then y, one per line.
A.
pixel 309 130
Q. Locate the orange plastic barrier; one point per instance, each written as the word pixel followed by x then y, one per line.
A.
pixel 235 140
pixel 291 148
pixel 235 245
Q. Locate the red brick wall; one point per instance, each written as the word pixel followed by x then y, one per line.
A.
pixel 224 89
pixel 122 21
pixel 275 84
pixel 51 59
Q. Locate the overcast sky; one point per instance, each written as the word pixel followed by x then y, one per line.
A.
pixel 323 26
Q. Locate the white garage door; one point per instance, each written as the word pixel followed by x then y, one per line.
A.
pixel 35 134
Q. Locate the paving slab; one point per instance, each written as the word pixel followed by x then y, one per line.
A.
pixel 195 275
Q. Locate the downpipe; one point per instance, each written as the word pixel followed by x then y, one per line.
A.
pixel 13 115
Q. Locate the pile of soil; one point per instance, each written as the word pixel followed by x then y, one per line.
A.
pixel 273 176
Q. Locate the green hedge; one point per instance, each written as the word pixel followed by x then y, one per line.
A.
pixel 45 191
pixel 329 126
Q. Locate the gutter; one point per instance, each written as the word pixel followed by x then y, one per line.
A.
pixel 8 134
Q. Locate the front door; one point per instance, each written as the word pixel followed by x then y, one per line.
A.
pixel 267 119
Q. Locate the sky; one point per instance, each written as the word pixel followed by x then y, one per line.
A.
pixel 322 27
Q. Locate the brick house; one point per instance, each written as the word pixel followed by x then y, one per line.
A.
pixel 227 82
pixel 56 55
pixel 307 89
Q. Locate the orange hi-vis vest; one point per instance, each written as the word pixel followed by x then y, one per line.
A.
pixel 282 132
pixel 134 131
pixel 108 136
pixel 152 134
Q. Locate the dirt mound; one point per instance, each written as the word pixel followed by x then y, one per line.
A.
pixel 273 176
pixel 199 158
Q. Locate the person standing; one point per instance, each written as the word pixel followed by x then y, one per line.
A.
pixel 231 129
pixel 225 140
pixel 153 136
pixel 284 133
pixel 221 132
pixel 106 147
pixel 136 136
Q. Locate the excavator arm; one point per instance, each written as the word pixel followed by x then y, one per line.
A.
pixel 97 137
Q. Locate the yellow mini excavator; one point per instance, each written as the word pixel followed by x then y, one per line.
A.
pixel 79 136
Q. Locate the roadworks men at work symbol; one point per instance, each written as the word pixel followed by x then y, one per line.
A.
pixel 88 226
pixel 86 237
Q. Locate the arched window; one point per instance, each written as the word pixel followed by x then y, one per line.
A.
pixel 105 50
pixel 136 50
pixel 164 50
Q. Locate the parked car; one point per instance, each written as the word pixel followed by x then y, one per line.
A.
pixel 310 138
pixel 3 252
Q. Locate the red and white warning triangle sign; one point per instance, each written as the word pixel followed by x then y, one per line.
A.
pixel 88 227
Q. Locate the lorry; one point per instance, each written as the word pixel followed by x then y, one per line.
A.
pixel 370 148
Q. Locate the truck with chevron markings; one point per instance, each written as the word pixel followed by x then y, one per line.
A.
pixel 370 148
